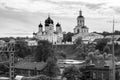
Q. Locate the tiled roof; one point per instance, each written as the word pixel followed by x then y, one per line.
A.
pixel 30 65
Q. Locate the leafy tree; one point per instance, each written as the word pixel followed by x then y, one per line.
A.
pixel 62 54
pixel 107 49
pixel 51 69
pixel 22 49
pixel 78 41
pixel 67 37
pixel 43 51
pixel 96 58
pixel 101 44
pixel 82 50
pixel 105 33
pixel 71 73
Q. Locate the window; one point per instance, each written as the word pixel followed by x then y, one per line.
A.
pixel 78 31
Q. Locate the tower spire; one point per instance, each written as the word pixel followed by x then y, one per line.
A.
pixel 80 13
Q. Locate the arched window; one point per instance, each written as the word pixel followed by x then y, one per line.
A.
pixel 78 30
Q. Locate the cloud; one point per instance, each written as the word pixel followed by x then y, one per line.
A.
pixel 68 8
pixel 94 6
pixel 116 10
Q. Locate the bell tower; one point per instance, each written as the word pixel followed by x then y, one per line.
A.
pixel 80 19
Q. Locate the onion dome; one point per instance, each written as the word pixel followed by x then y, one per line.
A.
pixel 58 25
pixel 40 25
pixel 48 21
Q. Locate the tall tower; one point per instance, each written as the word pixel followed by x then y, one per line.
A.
pixel 80 19
pixel 81 28
pixel 58 28
pixel 40 27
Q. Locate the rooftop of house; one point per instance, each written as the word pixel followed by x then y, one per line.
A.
pixel 30 65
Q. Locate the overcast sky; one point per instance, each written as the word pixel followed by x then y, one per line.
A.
pixel 22 17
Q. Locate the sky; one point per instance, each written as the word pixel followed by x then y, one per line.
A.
pixel 22 17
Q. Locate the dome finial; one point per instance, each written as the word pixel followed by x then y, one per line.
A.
pixel 80 12
pixel 48 14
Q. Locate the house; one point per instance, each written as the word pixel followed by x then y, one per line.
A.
pixel 29 68
pixel 92 72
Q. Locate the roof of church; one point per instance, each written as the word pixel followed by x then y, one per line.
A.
pixel 84 27
pixel 80 16
pixel 49 20
pixel 40 25
pixel 58 25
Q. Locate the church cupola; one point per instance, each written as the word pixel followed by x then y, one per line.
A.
pixel 58 25
pixel 48 21
pixel 58 28
pixel 40 27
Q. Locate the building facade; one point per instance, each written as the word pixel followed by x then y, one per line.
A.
pixel 50 34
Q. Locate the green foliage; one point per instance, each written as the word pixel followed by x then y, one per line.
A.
pixel 107 49
pixel 62 54
pixel 22 50
pixel 43 51
pixel 96 58
pixel 101 44
pixel 67 37
pixel 78 41
pixel 82 50
pixel 51 69
pixel 71 73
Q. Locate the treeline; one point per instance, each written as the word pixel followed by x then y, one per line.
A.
pixel 105 33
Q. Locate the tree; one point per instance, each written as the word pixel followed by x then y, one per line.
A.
pixel 106 49
pixel 43 51
pixel 52 70
pixel 82 49
pixel 62 54
pixel 95 58
pixel 101 44
pixel 71 73
pixel 22 49
pixel 105 33
pixel 67 37
pixel 78 41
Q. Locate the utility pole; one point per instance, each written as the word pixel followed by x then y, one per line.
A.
pixel 113 52
pixel 113 57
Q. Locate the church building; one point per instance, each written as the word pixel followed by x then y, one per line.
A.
pixel 82 31
pixel 49 33
pixel 80 28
